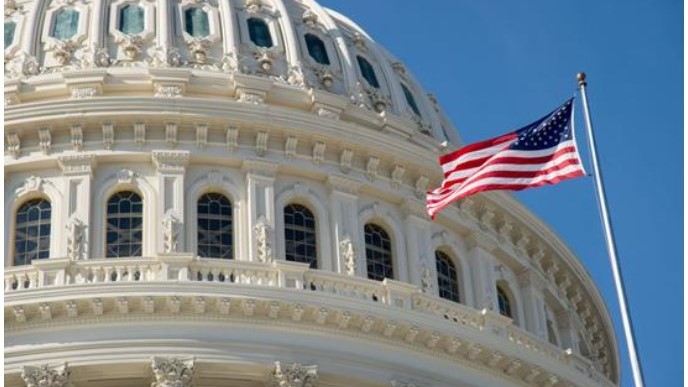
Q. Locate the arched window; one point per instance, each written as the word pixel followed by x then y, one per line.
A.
pixel 551 335
pixel 504 302
pixel 124 233
pixel 447 279
pixel 32 231
pixel 378 247
pixel 367 71
pixel 196 22
pixel 259 32
pixel 316 49
pixel 10 27
pixel 66 24
pixel 131 19
pixel 215 239
pixel 410 100
pixel 299 235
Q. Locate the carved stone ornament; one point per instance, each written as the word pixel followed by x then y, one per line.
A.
pixel 45 376
pixel 125 176
pixel 263 57
pixel 199 49
pixel 294 375
pixel 348 252
pixel 63 51
pixel 32 184
pixel 132 45
pixel 253 5
pixel 76 238
pixel 325 75
pixel 310 19
pixel 170 232
pixel 262 232
pixel 166 57
pixel 172 372
pixel 229 62
pixel 10 7
pixel 295 77
pixel 426 277
pixel 168 91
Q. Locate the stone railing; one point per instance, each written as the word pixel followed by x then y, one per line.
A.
pixel 288 275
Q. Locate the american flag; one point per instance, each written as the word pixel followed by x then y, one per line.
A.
pixel 543 152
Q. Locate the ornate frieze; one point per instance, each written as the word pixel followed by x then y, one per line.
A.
pixel 172 372
pixel 46 376
pixel 294 375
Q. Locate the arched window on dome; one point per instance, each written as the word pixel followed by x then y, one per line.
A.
pixel 32 231
pixel 410 100
pixel 300 239
pixel 131 19
pixel 552 329
pixel 504 302
pixel 259 32
pixel 215 227
pixel 65 24
pixel 378 248
pixel 124 230
pixel 367 71
pixel 196 22
pixel 10 27
pixel 447 278
pixel 316 49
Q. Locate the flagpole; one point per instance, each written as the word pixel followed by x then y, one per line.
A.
pixel 611 244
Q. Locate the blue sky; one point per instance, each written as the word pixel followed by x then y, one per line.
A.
pixel 497 65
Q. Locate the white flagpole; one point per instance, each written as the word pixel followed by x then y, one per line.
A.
pixel 611 244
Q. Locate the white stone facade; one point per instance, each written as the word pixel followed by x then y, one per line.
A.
pixel 171 117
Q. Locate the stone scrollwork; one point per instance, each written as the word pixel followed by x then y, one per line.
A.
pixel 348 252
pixel 63 51
pixel 262 232
pixel 76 238
pixel 172 372
pixel 166 57
pixel 294 375
pixel 199 49
pixel 46 376
pixel 32 184
pixel 170 232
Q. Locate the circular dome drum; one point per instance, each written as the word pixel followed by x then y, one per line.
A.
pixel 225 192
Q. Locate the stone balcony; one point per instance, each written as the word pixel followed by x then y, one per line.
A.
pixel 59 291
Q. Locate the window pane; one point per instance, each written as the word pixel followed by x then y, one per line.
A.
pixel 259 33
pixel 124 222
pixel 368 72
pixel 316 49
pixel 10 26
pixel 299 235
pixel 131 19
pixel 66 24
pixel 378 253
pixel 197 24
pixel 214 238
pixel 410 100
pixel 448 284
pixel 32 231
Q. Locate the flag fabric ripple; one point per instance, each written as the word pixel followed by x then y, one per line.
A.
pixel 543 152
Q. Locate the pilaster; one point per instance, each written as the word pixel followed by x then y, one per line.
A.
pixel 344 226
pixel 481 262
pixel 77 170
pixel 260 185
pixel 532 286
pixel 171 169
pixel 422 270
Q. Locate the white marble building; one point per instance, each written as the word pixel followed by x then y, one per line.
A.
pixel 231 193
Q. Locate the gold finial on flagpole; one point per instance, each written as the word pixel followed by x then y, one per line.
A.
pixel 581 79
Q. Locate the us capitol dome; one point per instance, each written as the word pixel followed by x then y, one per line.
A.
pixel 231 193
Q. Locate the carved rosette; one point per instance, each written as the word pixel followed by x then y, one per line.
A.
pixel 172 372
pixel 294 375
pixel 45 376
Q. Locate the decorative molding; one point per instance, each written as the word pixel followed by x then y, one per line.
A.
pixel 13 144
pixel 76 239
pixel 263 233
pixel 201 136
pixel 171 134
pixel 371 168
pixel 172 372
pixel 345 158
pixel 139 133
pixel 45 140
pixel 261 143
pixel 421 187
pixel 165 90
pixel 251 97
pixel 108 135
pixel 77 164
pixel 31 184
pixel 170 232
pixel 232 138
pixel 77 135
pixel 290 147
pixel 347 250
pixel 318 152
pixel 397 176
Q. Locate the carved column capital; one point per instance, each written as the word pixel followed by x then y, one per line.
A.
pixel 294 375
pixel 172 372
pixel 46 376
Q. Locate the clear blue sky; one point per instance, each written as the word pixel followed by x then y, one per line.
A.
pixel 497 65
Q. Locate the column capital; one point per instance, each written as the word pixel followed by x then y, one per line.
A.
pixel 46 376
pixel 171 161
pixel 293 375
pixel 172 371
pixel 478 239
pixel 77 164
pixel 343 184
pixel 260 168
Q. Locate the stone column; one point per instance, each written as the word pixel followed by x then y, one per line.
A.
pixel 171 168
pixel 260 185
pixel 348 257
pixel 46 376
pixel 78 174
pixel 422 270
pixel 481 262
pixel 532 285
